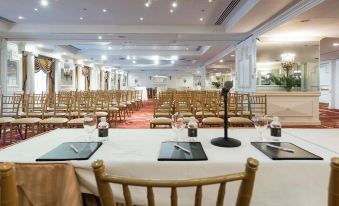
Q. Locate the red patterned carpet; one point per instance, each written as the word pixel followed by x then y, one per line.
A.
pixel 141 119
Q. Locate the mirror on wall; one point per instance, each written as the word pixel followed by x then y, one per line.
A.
pixel 291 66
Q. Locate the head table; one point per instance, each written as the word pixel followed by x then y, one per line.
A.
pixel 134 153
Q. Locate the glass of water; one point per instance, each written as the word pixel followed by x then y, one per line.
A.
pixel 260 123
pixel 90 124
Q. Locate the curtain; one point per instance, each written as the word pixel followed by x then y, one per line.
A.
pixel 76 76
pixel 24 71
pixel 87 74
pixel 47 65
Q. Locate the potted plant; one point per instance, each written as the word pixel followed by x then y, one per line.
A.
pixel 216 84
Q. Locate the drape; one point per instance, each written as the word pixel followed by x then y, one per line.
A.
pixel 76 76
pixel 24 71
pixel 47 65
pixel 87 74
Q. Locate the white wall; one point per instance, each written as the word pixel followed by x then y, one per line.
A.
pixel 177 79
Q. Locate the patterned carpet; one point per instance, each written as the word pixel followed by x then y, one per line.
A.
pixel 141 119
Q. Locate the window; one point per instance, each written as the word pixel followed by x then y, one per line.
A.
pixel 40 79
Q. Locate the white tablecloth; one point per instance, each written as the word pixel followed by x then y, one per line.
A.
pixel 134 153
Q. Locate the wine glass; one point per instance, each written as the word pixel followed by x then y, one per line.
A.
pixel 260 123
pixel 90 125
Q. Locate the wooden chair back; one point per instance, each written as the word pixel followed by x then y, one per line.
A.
pixel 10 106
pixel 333 190
pixel 244 195
pixel 258 104
pixel 8 191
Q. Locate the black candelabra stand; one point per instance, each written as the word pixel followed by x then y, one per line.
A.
pixel 226 141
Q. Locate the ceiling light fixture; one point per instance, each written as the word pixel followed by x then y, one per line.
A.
pixel 104 57
pixel 201 19
pixel 20 17
pixel 134 62
pixel 40 45
pixel 104 10
pixel 335 44
pixel 156 59
pixel 36 9
pixel 171 10
pixel 128 57
pixel 81 18
pixel 174 4
pixel 209 1
pixel 99 37
pixel 148 3
pixel 109 48
pixel 174 58
pixel 44 3
pixel 133 57
pixel 172 61
pixel 232 55
pixel 141 18
pixel 221 60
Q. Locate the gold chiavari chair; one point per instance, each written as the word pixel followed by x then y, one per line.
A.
pixel 203 107
pixel 139 98
pixel 243 112
pixel 34 104
pixel 162 116
pixel 79 110
pixel 247 179
pixel 217 120
pixel 9 111
pixel 28 123
pixel 333 189
pixel 107 106
pixel 59 119
pixel 121 105
pixel 9 193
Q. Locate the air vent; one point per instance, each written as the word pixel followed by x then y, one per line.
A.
pixel 227 11
pixel 122 58
pixel 6 20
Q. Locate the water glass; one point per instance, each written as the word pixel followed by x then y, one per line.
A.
pixel 261 124
pixel 178 126
pixel 90 125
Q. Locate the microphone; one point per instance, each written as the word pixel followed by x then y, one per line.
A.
pixel 226 141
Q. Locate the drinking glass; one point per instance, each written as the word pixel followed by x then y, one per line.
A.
pixel 90 125
pixel 178 126
pixel 260 123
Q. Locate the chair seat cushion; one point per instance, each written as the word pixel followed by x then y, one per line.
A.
pixel 239 120
pixel 28 120
pixel 206 114
pixel 161 120
pixel 185 114
pixel 101 114
pixel 161 114
pixel 75 114
pixel 76 121
pixel 113 109
pixel 244 113
pixel 221 113
pixel 54 120
pixel 34 114
pixel 4 120
pixel 213 120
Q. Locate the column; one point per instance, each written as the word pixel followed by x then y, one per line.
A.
pixel 245 65
pixel 58 65
pixel 335 84
pixel 30 73
pixel 202 70
pixel 3 66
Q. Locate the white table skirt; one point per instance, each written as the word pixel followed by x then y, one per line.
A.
pixel 134 152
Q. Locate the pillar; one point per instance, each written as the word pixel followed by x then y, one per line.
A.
pixel 30 73
pixel 245 65
pixel 202 70
pixel 3 66
pixel 58 65
pixel 335 84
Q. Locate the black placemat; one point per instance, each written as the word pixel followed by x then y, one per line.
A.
pixel 168 152
pixel 276 154
pixel 65 152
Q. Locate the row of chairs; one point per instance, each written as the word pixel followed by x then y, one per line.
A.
pixel 9 194
pixel 39 112
pixel 208 107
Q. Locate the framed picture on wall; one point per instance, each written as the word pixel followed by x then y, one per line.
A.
pixel 66 75
pixel 12 73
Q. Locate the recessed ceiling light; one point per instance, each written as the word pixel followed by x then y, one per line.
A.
pixel 81 18
pixel 221 60
pixel 133 57
pixel 104 10
pixel 128 57
pixel 175 58
pixel 36 9
pixel 201 19
pixel 134 62
pixel 110 48
pixel 20 17
pixel 174 4
pixel 335 44
pixel 99 37
pixel 141 18
pixel 172 61
pixel 40 45
pixel 171 10
pixel 210 1
pixel 103 57
pixel 44 3
pixel 186 48
pixel 232 55
pixel 148 3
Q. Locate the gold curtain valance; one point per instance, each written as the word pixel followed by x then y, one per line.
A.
pixel 86 71
pixel 46 64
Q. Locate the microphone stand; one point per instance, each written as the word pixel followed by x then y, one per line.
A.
pixel 225 141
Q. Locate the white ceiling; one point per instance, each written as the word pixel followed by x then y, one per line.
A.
pixel 58 28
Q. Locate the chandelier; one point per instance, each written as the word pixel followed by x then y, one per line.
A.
pixel 287 62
